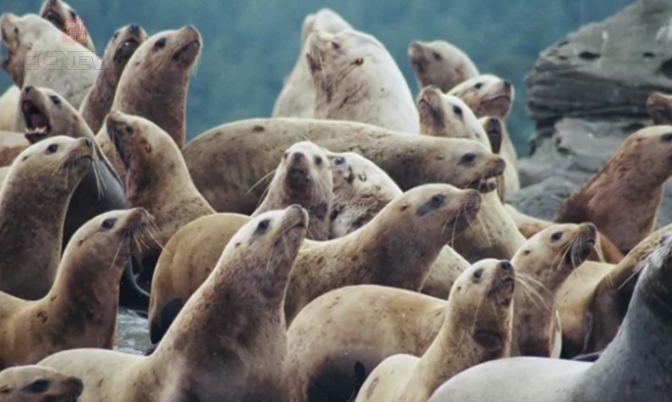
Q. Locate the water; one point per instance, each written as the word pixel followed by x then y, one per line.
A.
pixel 132 333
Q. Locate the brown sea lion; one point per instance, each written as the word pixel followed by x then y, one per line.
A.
pixel 440 63
pixel 659 107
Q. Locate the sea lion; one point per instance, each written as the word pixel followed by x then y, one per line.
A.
pixel 356 79
pixel 476 329
pixel 157 179
pixel 38 384
pixel 66 19
pixel 486 95
pixel 31 230
pixel 297 98
pixel 81 308
pixel 254 146
pixel 154 85
pixel 241 302
pixel 98 101
pixel 543 264
pixel 440 63
pixel 659 107
pixel 495 127
pixel 623 197
pixel 11 145
pixel 303 177
pixel 644 341
pixel 396 248
pixel 39 56
pixel 9 102
pixel 184 264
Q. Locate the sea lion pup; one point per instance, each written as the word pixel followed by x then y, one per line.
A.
pixel 441 64
pixel 356 79
pixel 659 107
pixel 486 95
pixel 623 197
pixel 38 384
pixel 409 160
pixel 241 302
pixel 65 18
pixel 75 67
pixel 644 341
pixel 396 248
pixel 297 98
pixel 303 177
pixel 184 264
pixel 120 48
pixel 543 264
pixel 81 308
pixel 157 179
pixel 154 85
pixel 361 191
pixel 495 127
pixel 476 329
pixel 31 230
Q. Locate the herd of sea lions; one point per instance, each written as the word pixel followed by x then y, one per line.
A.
pixel 355 246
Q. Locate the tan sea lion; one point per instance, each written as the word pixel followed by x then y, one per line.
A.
pixel 644 341
pixel 39 56
pixel 157 179
pixel 66 19
pixel 31 230
pixel 356 79
pixel 303 177
pixel 476 329
pixel 154 85
pixel 623 197
pixel 81 308
pixel 184 264
pixel 9 106
pixel 495 127
pixel 98 101
pixel 254 146
pixel 38 384
pixel 543 264
pixel 659 107
pixel 241 302
pixel 486 95
pixel 440 63
pixel 297 98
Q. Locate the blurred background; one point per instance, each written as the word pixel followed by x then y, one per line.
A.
pixel 250 46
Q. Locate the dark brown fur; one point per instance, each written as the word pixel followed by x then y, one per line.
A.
pixel 659 107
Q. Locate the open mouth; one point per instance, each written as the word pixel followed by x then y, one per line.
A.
pixel 37 123
pixel 55 18
pixel 484 185
pixel 127 48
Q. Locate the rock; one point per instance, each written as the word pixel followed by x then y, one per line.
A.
pixel 542 199
pixel 132 333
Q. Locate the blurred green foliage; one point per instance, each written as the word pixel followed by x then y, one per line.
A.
pixel 251 45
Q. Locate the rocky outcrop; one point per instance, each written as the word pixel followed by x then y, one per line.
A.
pixel 586 94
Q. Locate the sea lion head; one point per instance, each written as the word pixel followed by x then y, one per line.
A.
pixel 38 384
pixel 46 114
pixel 552 254
pixel 18 36
pixel 324 19
pixel 447 116
pixel 271 242
pixel 481 300
pixel 472 165
pixel 124 43
pixel 487 95
pixel 440 63
pixel 655 277
pixel 58 163
pixel 433 211
pixel 66 19
pixel 647 153
pixel 659 107
pixel 304 170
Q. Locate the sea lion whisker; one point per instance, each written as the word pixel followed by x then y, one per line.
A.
pixel 114 260
pixel 266 176
pixel 527 294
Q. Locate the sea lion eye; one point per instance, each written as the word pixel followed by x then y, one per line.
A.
pixel 467 158
pixel 359 61
pixel 263 226
pixel 438 199
pixel 160 44
pixel 108 223
pixel 457 110
pixel 318 160
pixel 478 86
pixel 52 148
pixel 73 14
pixel 667 137
pixel 556 236
pixel 478 274
pixel 339 161
pixel 129 130
pixel 437 56
pixel 55 100
pixel 116 35
pixel 37 387
pixel 5 390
